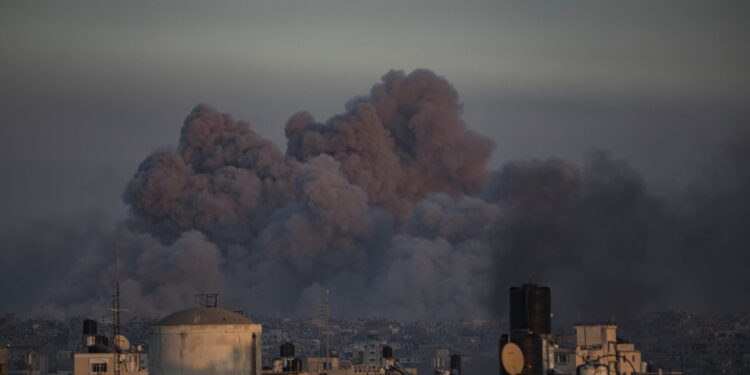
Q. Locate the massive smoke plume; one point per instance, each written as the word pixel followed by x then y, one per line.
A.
pixel 391 207
pixel 336 211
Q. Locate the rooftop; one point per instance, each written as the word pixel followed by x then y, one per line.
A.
pixel 583 324
pixel 204 315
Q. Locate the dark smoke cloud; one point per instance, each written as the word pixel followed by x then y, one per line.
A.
pixel 336 209
pixel 715 238
pixel 223 179
pixel 609 247
pixel 391 208
pixel 404 141
pixel 585 231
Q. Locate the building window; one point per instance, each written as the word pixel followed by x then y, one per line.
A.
pixel 98 367
pixel 562 358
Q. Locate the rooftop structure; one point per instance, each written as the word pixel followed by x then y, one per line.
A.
pixel 597 344
pixel 104 363
pixel 203 316
pixel 205 340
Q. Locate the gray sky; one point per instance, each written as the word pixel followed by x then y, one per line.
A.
pixel 89 89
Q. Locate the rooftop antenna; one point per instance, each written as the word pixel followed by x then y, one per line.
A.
pixel 207 300
pixel 116 314
pixel 324 314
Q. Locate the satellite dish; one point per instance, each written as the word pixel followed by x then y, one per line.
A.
pixel 512 358
pixel 122 343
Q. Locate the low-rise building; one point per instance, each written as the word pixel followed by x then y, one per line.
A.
pixel 597 343
pixel 4 361
pixel 105 363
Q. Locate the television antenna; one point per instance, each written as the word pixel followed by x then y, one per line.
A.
pixel 117 338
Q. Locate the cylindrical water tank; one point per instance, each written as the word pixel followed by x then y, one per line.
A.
pixel 592 369
pixel 531 346
pixel 205 340
pixel 530 309
pixel 296 364
pixel 89 327
pixel 277 365
pixel 286 350
pixel 586 369
pixel 387 352
pixel 455 364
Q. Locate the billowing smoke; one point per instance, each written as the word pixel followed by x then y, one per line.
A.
pixel 587 232
pixel 337 211
pixel 404 141
pixel 611 248
pixel 390 206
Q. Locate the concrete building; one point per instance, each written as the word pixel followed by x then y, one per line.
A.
pixel 597 343
pixel 367 352
pixel 4 359
pixel 205 340
pixel 36 363
pixel 105 363
pixel 564 358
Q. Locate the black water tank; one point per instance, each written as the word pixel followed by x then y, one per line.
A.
pixel 455 364
pixel 296 364
pixel 286 350
pixel 89 327
pixel 531 347
pixel 387 352
pixel 530 309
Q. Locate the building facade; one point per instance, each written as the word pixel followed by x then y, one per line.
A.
pixel 597 343
pixel 106 363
